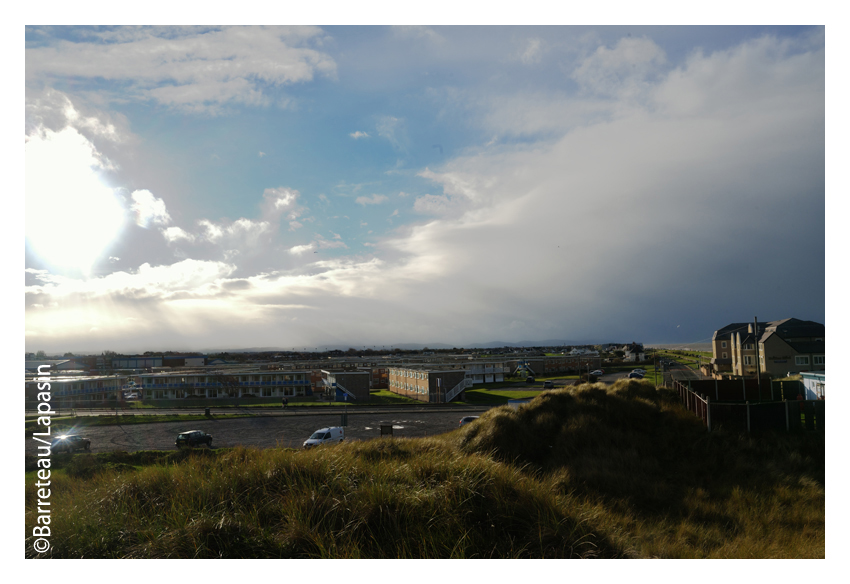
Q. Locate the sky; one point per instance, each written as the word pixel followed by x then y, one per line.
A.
pixel 203 188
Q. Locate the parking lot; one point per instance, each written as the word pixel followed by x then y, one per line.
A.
pixel 286 430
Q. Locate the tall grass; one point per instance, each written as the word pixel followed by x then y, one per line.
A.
pixel 586 472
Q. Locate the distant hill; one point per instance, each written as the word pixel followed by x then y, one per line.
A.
pixel 415 346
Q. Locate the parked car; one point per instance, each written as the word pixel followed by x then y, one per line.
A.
pixel 642 371
pixel 548 385
pixel 467 419
pixel 70 443
pixel 635 375
pixel 597 373
pixel 330 435
pixel 529 379
pixel 193 438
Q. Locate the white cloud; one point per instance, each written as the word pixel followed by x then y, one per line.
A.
pixel 52 109
pixel 172 234
pixel 393 130
pixel 418 32
pixel 325 244
pixel 149 209
pixel 197 70
pixel 192 276
pixel 433 204
pixel 623 70
pixel 532 52
pixel 373 200
pixel 301 249
pixel 281 201
pixel 261 154
pixel 357 135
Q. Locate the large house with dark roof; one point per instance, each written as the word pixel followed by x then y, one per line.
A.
pixel 783 345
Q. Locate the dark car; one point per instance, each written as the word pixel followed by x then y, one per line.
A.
pixel 467 419
pixel 635 375
pixel 193 438
pixel 548 385
pixel 69 444
pixel 529 379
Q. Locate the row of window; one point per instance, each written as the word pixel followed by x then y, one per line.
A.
pixel 407 387
pixel 214 379
pixel 410 374
pixel 802 360
pixel 266 392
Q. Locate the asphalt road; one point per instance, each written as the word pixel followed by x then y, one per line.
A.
pixel 288 430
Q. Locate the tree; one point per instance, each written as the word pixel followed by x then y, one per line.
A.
pixel 229 382
pixel 40 356
pixel 68 354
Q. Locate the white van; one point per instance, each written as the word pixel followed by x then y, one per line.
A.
pixel 332 435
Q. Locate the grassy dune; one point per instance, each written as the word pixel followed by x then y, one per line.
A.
pixel 584 472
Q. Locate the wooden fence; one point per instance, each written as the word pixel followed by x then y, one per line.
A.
pixel 750 416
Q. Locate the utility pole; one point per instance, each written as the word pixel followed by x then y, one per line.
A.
pixel 756 343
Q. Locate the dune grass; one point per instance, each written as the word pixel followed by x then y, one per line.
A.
pixel 591 471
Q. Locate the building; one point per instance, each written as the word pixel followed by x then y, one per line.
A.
pixel 151 361
pixel 792 345
pixel 486 371
pixel 75 389
pixel 814 384
pixel 544 366
pixel 347 385
pixel 789 345
pixel 429 385
pixel 221 384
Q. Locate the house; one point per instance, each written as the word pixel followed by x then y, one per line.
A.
pixel 792 345
pixel 774 349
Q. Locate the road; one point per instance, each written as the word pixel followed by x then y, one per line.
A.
pixel 287 430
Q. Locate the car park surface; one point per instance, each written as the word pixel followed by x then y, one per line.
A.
pixel 286 430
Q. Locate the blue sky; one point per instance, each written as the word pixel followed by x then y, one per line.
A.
pixel 202 188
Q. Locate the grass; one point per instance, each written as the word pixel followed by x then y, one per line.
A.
pixel 386 397
pixel 621 471
pixel 497 396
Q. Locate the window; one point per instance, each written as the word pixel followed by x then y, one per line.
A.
pixel 725 356
pixel 748 360
pixel 801 360
pixel 267 392
pixel 818 359
pixel 722 344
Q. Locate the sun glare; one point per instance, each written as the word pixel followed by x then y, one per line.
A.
pixel 71 215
